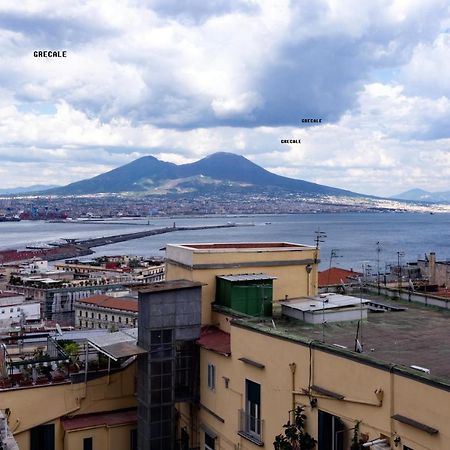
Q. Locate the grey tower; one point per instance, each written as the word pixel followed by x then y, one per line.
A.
pixel 168 326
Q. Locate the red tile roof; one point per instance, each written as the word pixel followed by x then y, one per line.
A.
pixel 105 301
pixel 336 275
pixel 110 418
pixel 212 338
pixel 8 294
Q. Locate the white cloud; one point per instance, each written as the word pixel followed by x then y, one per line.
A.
pixel 181 82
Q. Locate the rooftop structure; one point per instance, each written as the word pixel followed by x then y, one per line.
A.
pixel 291 266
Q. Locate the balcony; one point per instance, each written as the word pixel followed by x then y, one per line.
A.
pixel 251 427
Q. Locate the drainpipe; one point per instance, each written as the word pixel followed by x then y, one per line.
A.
pixel 293 368
pixel 391 400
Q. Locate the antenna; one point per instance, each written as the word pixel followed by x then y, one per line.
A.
pixel 378 244
pixel 333 254
pixel 320 237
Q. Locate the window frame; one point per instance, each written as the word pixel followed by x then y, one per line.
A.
pixel 211 377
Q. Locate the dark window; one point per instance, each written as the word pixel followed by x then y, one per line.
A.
pixel 331 436
pixel 184 439
pixel 407 448
pixel 133 439
pixel 87 443
pixel 42 437
pixel 253 408
pixel 211 376
pixel 210 442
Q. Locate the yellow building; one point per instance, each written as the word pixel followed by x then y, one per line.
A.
pixel 51 404
pixel 388 375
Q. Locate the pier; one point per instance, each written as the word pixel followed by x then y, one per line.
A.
pixel 76 247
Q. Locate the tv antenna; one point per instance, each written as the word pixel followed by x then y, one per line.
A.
pixel 320 237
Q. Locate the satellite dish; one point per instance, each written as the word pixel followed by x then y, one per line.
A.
pixel 58 329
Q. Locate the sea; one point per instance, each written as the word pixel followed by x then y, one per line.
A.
pixel 350 237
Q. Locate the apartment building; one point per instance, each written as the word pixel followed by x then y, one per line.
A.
pixel 379 371
pixel 84 399
pixel 105 311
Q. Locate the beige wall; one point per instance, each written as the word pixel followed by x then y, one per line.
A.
pixel 35 406
pixel 111 438
pixel 356 381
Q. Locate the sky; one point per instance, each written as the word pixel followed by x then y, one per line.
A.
pixel 180 79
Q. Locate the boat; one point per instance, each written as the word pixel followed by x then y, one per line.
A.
pixel 9 219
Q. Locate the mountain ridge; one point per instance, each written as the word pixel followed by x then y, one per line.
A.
pixel 218 171
pixel 422 195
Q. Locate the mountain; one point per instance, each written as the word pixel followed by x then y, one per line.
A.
pixel 215 173
pixel 24 190
pixel 420 195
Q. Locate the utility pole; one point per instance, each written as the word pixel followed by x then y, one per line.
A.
pixel 333 254
pixel 399 269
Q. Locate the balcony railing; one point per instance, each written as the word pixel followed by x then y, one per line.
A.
pixel 251 427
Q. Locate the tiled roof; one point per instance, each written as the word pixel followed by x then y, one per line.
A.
pixel 336 275
pixel 5 294
pixel 105 301
pixel 212 338
pixel 110 418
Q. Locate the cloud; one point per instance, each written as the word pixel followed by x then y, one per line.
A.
pixel 182 79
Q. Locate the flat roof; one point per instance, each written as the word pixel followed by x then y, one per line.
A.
pixel 417 335
pixel 120 344
pixel 247 277
pixel 324 301
pixel 167 286
pixel 244 246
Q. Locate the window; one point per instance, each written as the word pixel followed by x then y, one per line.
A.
pixel 92 315
pixel 330 436
pixel 126 320
pixel 252 424
pixel 133 439
pixel 211 376
pixel 99 316
pixel 210 442
pixel 86 313
pixel 87 443
pixel 42 437
pixel 112 318
pixel 120 319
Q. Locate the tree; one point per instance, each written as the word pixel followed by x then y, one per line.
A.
pixel 295 437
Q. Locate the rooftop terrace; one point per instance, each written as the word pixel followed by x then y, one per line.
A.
pixel 415 336
pixel 235 246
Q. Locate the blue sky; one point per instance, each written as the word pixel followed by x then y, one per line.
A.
pixel 181 79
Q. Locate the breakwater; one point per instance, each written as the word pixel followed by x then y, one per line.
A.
pixel 81 247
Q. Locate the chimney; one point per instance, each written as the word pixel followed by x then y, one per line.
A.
pixel 432 267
